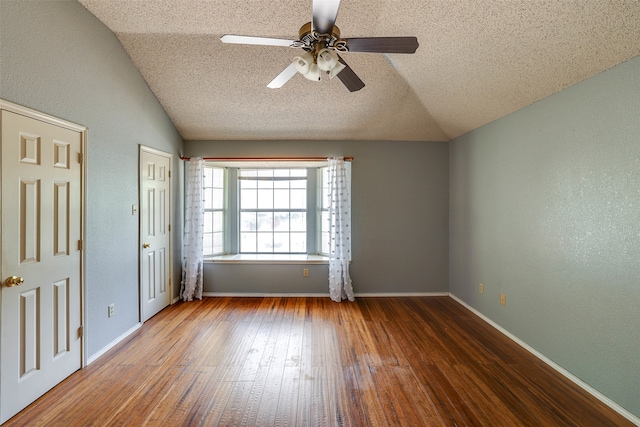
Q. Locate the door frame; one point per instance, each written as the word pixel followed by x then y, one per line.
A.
pixel 157 152
pixel 47 118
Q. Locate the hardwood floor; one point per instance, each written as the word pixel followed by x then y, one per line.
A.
pixel 312 362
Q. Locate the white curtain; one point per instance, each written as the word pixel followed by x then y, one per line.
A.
pixel 340 286
pixel 193 231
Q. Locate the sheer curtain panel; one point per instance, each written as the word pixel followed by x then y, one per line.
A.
pixel 193 231
pixel 340 286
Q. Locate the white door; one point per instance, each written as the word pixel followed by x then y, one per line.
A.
pixel 41 231
pixel 155 231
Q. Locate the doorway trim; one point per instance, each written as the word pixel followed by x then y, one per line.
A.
pixel 47 118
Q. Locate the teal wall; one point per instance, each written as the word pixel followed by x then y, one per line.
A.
pixel 399 201
pixel 57 58
pixel 545 208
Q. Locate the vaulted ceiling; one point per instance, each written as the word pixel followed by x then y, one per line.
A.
pixel 478 60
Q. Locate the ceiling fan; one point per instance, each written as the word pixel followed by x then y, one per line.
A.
pixel 321 42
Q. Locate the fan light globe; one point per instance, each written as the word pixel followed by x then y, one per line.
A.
pixel 303 63
pixel 327 59
pixel 314 73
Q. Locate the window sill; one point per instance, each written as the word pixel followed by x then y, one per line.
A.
pixel 268 259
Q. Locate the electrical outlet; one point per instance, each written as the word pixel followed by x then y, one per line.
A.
pixel 112 310
pixel 305 272
pixel 481 288
pixel 503 299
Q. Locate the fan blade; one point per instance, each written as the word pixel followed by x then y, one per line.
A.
pixel 229 38
pixel 383 44
pixel 283 77
pixel 324 13
pixel 349 78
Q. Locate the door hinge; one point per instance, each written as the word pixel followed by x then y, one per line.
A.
pixel 169 174
pixel 79 245
pixel 169 227
pixel 81 332
pixel 80 158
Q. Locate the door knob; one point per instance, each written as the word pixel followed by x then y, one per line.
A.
pixel 13 281
pixel 146 245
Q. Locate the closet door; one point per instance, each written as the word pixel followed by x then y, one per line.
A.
pixel 40 329
pixel 155 231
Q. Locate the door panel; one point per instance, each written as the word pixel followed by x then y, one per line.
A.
pixel 41 225
pixel 155 200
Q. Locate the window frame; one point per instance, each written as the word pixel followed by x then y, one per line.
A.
pixel 223 209
pixel 245 176
pixel 232 211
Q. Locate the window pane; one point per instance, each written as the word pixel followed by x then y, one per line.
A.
pixel 298 242
pixel 248 199
pixel 218 198
pixel 299 199
pixel 248 242
pixel 208 198
pixel 248 183
pixel 218 221
pixel 218 246
pixel 265 242
pixel 218 177
pixel 267 185
pixel 281 199
pixel 208 222
pixel 299 173
pixel 281 221
pixel 325 243
pixel 208 177
pixel 265 221
pixel 298 221
pixel 299 183
pixel 284 184
pixel 281 242
pixel 207 244
pixel 265 199
pixel 248 221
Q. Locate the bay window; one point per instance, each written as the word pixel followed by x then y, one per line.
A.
pixel 266 210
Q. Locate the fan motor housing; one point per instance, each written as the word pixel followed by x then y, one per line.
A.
pixel 310 37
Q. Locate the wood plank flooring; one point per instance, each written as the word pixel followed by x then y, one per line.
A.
pixel 418 361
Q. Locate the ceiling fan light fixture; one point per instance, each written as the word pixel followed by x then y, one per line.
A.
pixel 327 59
pixel 313 73
pixel 303 63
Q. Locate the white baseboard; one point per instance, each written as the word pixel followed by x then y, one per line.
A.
pixel 402 294
pixel 326 295
pixel 112 344
pixel 586 387
pixel 260 294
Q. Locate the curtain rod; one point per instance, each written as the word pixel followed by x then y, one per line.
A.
pixel 262 159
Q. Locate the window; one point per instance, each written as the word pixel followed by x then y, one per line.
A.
pixel 214 212
pixel 324 210
pixel 273 210
pixel 278 210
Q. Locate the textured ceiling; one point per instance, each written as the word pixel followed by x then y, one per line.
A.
pixel 478 60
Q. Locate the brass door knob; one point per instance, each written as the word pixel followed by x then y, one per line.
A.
pixel 13 281
pixel 146 245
